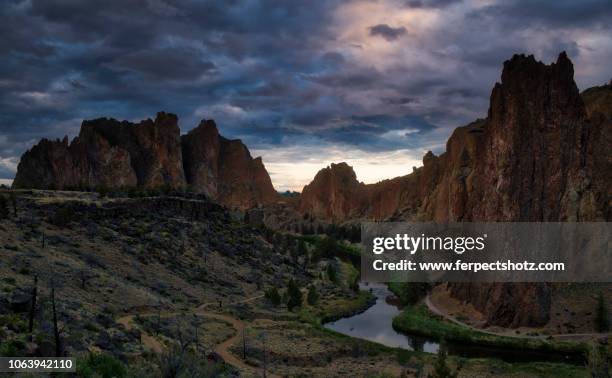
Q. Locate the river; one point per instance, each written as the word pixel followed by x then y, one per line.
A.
pixel 375 324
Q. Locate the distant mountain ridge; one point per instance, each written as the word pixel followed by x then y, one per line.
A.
pixel 149 154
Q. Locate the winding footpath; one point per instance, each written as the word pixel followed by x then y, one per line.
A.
pixel 560 336
pixel 222 349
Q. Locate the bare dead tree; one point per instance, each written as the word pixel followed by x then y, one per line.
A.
pixel 56 331
pixel 84 276
pixel 158 327
pixel 196 325
pixel 244 343
pixel 265 362
pixel 33 306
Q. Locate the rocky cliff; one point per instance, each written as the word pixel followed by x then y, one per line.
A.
pixel 540 155
pixel 534 158
pixel 149 154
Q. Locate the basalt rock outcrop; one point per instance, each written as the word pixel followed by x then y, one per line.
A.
pixel 149 154
pixel 540 155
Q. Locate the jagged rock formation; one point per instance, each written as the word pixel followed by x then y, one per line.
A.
pixel 150 154
pixel 533 158
pixel 333 193
pixel 539 156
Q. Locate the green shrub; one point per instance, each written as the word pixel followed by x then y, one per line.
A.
pixel 441 369
pixel 12 348
pixel 409 292
pixel 62 217
pixel 295 295
pixel 13 322
pixel 331 273
pixel 100 365
pixel 601 315
pixel 273 296
pixel 313 296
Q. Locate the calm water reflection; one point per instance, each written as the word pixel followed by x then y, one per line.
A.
pixel 375 324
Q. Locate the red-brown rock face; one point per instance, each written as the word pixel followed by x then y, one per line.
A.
pixel 201 157
pixel 107 153
pixel 224 169
pixel 539 156
pixel 243 181
pixel 334 193
pixel 150 154
pixel 153 147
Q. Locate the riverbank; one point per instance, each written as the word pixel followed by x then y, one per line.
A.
pixel 333 309
pixel 372 331
pixel 419 320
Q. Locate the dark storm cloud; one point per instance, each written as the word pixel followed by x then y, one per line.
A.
pixel 565 13
pixel 165 63
pixel 387 32
pixel 271 71
pixel 431 3
pixel 379 132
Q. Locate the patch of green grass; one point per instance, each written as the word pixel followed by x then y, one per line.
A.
pixel 418 320
pixel 349 273
pixel 13 322
pixel 330 309
pixel 546 370
pixel 100 365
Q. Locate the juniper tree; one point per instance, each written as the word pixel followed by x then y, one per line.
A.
pixel 313 295
pixel 295 295
pixel 331 273
pixel 273 296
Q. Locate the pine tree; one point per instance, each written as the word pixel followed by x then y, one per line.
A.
pixel 313 295
pixel 331 273
pixel 273 295
pixel 295 295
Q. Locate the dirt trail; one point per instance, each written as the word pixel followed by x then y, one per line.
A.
pixel 146 339
pixel 222 349
pixel 587 336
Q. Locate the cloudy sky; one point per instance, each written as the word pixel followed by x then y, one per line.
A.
pixel 303 83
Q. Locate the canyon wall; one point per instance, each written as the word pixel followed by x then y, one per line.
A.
pixel 540 155
pixel 149 154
